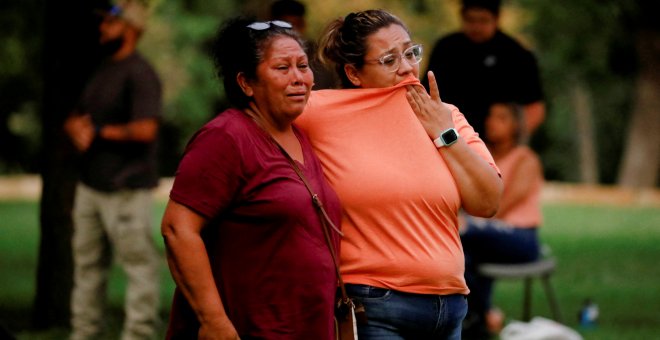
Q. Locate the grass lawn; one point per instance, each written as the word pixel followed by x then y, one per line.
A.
pixel 604 253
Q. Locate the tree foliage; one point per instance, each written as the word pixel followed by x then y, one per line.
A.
pixel 589 42
pixel 585 41
pixel 176 43
pixel 20 84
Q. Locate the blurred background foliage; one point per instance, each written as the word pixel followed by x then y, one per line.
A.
pixel 585 49
pixel 590 44
pixel 20 84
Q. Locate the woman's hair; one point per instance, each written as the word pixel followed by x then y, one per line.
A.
pixel 518 116
pixel 344 41
pixel 238 48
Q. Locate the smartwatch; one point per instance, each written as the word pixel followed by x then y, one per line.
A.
pixel 447 138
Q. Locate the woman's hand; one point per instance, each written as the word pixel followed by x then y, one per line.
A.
pixel 429 109
pixel 478 183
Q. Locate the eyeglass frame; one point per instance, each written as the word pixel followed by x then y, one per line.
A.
pixel 264 25
pixel 399 57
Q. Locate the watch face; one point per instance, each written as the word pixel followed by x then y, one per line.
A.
pixel 449 137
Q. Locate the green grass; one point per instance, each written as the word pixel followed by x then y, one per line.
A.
pixel 19 227
pixel 605 253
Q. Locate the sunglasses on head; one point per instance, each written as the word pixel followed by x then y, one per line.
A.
pixel 264 25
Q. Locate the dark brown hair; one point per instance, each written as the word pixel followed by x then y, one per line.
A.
pixel 344 40
pixel 516 111
pixel 492 6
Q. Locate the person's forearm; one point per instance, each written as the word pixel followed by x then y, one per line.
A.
pixel 189 263
pixel 509 200
pixel 534 116
pixel 478 183
pixel 144 131
pixel 515 193
pixel 191 270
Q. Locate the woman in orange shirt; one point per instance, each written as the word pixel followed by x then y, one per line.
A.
pixel 511 235
pixel 403 163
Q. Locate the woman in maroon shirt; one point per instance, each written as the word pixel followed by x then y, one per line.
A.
pixel 244 242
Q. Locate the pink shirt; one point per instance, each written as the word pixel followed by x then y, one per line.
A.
pixel 526 213
pixel 399 198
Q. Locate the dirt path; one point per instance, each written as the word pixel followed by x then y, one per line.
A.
pixel 29 187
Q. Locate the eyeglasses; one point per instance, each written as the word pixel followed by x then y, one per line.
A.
pixel 264 25
pixel 392 61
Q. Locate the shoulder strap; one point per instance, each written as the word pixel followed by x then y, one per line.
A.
pixel 326 222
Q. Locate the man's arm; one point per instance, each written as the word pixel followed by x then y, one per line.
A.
pixel 531 92
pixel 534 116
pixel 143 130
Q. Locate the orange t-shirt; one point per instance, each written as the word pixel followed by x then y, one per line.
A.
pixel 399 198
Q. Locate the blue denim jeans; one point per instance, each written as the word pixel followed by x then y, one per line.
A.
pixel 491 241
pixel 396 315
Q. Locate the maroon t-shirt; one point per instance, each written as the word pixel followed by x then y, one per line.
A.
pixel 265 241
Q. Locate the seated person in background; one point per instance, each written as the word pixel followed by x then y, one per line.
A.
pixel 511 235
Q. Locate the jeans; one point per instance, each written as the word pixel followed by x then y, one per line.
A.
pixel 397 315
pixel 491 241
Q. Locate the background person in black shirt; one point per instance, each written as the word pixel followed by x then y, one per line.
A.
pixel 481 65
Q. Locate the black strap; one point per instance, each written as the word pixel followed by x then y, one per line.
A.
pixel 326 222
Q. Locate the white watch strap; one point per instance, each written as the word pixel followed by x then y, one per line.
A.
pixel 440 142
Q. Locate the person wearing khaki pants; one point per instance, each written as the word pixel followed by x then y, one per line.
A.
pixel 115 127
pixel 121 222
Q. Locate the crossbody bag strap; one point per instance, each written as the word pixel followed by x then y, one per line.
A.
pixel 326 222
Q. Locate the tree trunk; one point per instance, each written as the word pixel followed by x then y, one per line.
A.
pixel 640 166
pixel 70 53
pixel 585 133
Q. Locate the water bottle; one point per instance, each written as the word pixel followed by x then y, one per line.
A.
pixel 588 314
